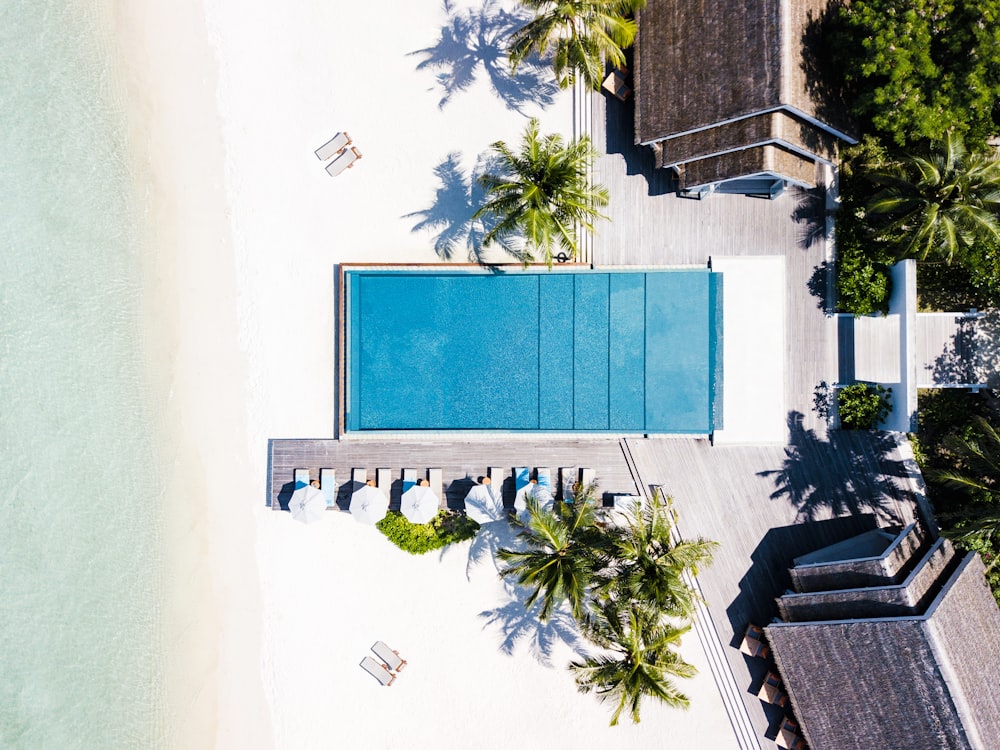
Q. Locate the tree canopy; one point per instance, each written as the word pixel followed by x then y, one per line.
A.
pixel 916 69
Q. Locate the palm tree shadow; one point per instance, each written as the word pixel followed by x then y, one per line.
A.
pixel 456 200
pixel 851 473
pixel 518 625
pixel 490 538
pixel 478 37
pixel 973 354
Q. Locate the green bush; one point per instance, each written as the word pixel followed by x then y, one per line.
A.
pixel 862 406
pixel 417 538
pixel 863 286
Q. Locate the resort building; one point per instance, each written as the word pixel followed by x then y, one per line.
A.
pixel 891 636
pixel 726 94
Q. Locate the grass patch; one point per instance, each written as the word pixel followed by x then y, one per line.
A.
pixel 418 538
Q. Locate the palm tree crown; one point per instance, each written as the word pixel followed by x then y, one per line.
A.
pixel 938 204
pixel 639 661
pixel 540 195
pixel 651 565
pixel 579 35
pixel 560 556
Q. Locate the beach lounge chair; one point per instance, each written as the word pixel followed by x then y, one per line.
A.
pixel 587 477
pixel 344 161
pixel 328 484
pixel 383 480
pixel 409 479
pixel 497 475
pixel 389 656
pixel 753 642
pixel 301 478
pixel 378 670
pixel 544 478
pixel 435 480
pixel 522 477
pixel 358 478
pixel 333 146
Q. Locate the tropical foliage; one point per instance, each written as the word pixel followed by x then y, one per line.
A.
pixel 639 661
pixel 418 538
pixel 863 406
pixel 578 35
pixel 917 69
pixel 937 205
pixel 627 586
pixel 539 196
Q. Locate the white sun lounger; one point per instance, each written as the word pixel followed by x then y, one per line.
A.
pixel 383 480
pixel 497 476
pixel 544 478
pixel 328 484
pixel 333 146
pixel 378 671
pixel 409 479
pixel 587 477
pixel 389 656
pixel 344 161
pixel 358 478
pixel 301 478
pixel 435 481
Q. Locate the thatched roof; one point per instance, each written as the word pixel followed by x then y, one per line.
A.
pixel 924 680
pixel 716 76
pixel 747 162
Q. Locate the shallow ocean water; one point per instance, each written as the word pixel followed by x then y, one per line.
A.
pixel 80 440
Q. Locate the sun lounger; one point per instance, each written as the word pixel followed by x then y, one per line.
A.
pixel 498 476
pixel 328 484
pixel 409 478
pixel 390 657
pixel 435 481
pixel 378 670
pixel 333 146
pixel 383 480
pixel 544 478
pixel 358 478
pixel 587 477
pixel 522 477
pixel 301 478
pixel 344 161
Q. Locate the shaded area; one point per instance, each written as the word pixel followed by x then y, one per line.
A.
pixel 817 477
pixel 822 286
pixel 476 38
pixel 518 625
pixel 823 71
pixel 973 353
pixel 456 200
pixel 810 215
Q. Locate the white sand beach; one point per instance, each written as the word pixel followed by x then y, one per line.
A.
pixel 270 617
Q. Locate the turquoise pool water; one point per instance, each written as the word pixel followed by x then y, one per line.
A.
pixel 551 351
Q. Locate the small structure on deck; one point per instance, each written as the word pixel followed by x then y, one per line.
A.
pixel 891 639
pixel 726 94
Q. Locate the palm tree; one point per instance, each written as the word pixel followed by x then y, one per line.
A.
pixel 540 195
pixel 940 204
pixel 650 565
pixel 579 35
pixel 639 662
pixel 561 556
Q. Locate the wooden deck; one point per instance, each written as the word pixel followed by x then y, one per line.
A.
pixel 650 225
pixel 461 462
pixel 766 506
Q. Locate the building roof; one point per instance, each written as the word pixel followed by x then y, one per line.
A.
pixel 857 678
pixel 716 76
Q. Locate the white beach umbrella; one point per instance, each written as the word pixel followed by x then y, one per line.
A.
pixel 483 505
pixel 419 504
pixel 369 504
pixel 307 504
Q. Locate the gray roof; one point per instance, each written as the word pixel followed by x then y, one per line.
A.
pixel 925 679
pixel 716 76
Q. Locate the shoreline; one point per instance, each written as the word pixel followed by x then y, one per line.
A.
pixel 211 619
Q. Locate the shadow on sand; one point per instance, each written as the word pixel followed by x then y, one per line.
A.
pixel 821 478
pixel 518 625
pixel 450 215
pixel 477 37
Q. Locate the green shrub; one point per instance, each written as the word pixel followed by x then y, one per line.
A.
pixel 862 406
pixel 417 538
pixel 863 286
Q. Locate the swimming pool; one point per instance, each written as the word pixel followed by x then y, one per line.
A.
pixel 563 351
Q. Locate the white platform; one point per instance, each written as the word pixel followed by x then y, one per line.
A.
pixel 753 350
